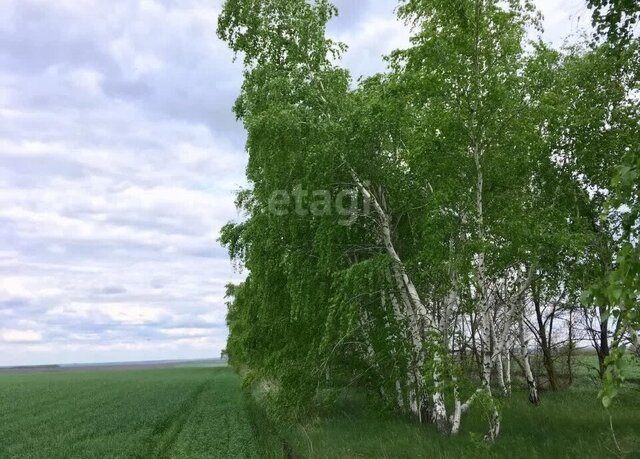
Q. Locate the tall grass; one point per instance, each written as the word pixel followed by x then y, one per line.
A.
pixel 568 424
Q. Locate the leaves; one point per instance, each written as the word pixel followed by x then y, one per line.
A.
pixel 485 156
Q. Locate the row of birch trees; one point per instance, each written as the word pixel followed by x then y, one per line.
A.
pixel 450 216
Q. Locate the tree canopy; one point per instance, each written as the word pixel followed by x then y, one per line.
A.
pixel 401 230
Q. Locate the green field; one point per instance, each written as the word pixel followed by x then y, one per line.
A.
pixel 172 412
pixel 203 412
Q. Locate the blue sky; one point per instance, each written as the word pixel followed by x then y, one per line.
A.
pixel 119 159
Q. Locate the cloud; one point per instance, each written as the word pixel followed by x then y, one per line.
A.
pixel 362 58
pixel 111 290
pixel 20 336
pixel 564 19
pixel 119 159
pixel 187 332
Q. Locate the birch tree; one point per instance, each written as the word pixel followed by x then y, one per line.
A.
pixel 464 183
pixel 616 293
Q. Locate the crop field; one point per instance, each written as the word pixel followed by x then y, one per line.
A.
pixel 134 413
pixel 202 412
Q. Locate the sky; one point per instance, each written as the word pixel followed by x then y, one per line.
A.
pixel 119 161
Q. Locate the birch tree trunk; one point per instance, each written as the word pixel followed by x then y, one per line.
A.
pixel 483 302
pixel 526 367
pixel 417 317
pixel 506 359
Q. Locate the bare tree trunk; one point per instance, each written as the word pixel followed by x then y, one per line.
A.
pixel 524 361
pixel 473 319
pixel 603 350
pixel 456 417
pixel 498 364
pixel 399 394
pixel 484 305
pixel 417 317
pixel 570 346
pixel 500 374
pixel 506 358
pixel 544 341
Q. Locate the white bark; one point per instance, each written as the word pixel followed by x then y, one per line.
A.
pixel 456 417
pixel 515 310
pixel 483 302
pixel 412 381
pixel 506 359
pixel 524 361
pixel 439 409
pixel 417 318
pixel 500 372
pixel 399 394
pixel 513 313
pixel 460 409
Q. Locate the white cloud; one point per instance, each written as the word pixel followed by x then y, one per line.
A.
pixel 87 80
pixel 187 332
pixel 370 40
pixel 131 314
pixel 14 287
pixel 20 336
pixel 563 19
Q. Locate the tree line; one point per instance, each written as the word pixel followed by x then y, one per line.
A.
pixel 492 183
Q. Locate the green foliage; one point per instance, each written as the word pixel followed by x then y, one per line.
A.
pixel 617 290
pixel 471 112
pixel 623 287
pixel 615 19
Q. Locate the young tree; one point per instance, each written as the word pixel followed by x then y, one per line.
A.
pixel 617 291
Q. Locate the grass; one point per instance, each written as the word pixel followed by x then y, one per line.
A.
pixel 172 412
pixel 202 412
pixel 567 424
